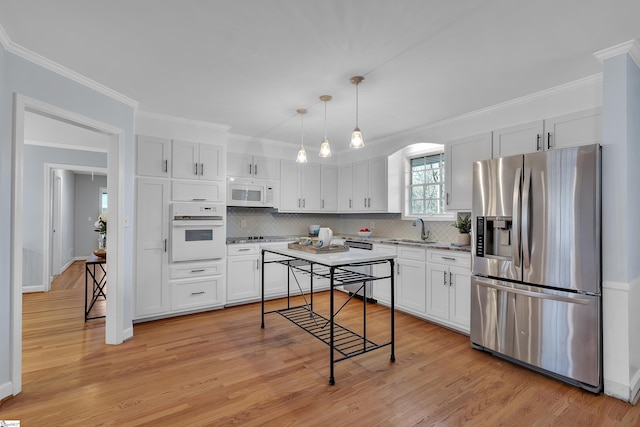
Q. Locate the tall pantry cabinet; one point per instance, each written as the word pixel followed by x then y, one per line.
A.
pixel 169 171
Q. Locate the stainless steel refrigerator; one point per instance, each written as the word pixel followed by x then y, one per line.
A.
pixel 536 284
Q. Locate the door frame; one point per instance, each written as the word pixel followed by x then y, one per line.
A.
pixel 114 324
pixel 51 237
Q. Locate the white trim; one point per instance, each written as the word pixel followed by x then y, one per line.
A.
pixel 180 120
pixel 64 146
pixel 114 329
pixel 46 238
pixel 32 289
pixel 630 47
pixel 621 286
pixel 5 389
pixel 48 64
pixel 617 390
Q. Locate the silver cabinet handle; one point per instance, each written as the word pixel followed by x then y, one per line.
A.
pixel 299 203
pixel 398 269
pixel 369 201
pixel 548 140
pixel 198 271
pixel 444 278
pixel 255 170
pixel 448 258
pixel 257 264
pixel 365 202
pixel 195 168
pixel 447 199
pixel 304 203
pixel 250 166
pixel 197 293
pixel 201 168
pixel 450 279
pixel 244 249
pixel 165 245
pixel 538 137
pixel 350 204
pixel 322 203
pixel 166 166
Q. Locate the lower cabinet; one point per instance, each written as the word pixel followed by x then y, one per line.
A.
pixel 243 273
pixel 196 285
pixel 411 279
pixel 382 287
pixel 275 275
pixel 449 288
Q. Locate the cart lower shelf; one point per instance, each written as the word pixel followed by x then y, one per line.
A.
pixel 345 341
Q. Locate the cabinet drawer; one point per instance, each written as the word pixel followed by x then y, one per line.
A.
pixel 187 294
pixel 243 249
pixel 185 191
pixel 461 259
pixel 416 254
pixel 385 249
pixel 197 270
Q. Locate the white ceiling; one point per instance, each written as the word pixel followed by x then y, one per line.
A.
pixel 250 64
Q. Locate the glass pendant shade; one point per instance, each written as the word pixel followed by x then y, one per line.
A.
pixel 302 156
pixel 357 140
pixel 325 149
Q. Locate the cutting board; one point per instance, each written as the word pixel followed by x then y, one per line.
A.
pixel 331 249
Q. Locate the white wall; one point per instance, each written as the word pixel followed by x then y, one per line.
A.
pixel 87 206
pixel 17 75
pixel 67 218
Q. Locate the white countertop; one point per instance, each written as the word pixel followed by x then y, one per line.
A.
pixel 352 256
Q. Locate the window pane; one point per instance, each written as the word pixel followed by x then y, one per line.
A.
pixel 426 190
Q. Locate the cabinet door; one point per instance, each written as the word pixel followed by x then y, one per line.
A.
pixel 360 185
pixel 377 199
pixel 210 159
pixel 382 288
pixel 239 165
pixel 438 289
pixel 275 275
pixel 459 158
pixel 243 283
pixel 152 156
pixel 460 297
pixel 266 167
pixel 152 261
pixel 411 286
pixel 329 188
pixel 289 186
pixel 185 159
pixel 310 186
pixel 345 187
pixel 570 130
pixel 521 139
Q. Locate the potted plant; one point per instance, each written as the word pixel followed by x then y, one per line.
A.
pixel 463 224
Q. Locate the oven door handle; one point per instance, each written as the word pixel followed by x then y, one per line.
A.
pixel 198 223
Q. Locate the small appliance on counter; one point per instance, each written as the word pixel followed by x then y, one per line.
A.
pixel 314 229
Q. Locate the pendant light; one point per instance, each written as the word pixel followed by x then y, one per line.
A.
pixel 302 154
pixel 325 149
pixel 357 140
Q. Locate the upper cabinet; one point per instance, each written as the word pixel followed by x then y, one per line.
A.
pixel 569 130
pixel 299 186
pixel 345 187
pixel 248 166
pixel 370 185
pixel 152 156
pixel 192 160
pixel 459 157
pixel 329 188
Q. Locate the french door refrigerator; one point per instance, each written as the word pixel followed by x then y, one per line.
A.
pixel 536 280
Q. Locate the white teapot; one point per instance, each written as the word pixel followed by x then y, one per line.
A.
pixel 324 236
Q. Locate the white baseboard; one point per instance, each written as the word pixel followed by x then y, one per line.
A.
pixel 617 390
pixel 127 333
pixel 33 288
pixel 67 265
pixel 6 390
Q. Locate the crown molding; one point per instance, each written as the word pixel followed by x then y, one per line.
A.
pixel 50 65
pixel 630 47
pixel 181 120
pixel 64 146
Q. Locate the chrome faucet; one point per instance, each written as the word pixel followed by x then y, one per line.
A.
pixel 425 234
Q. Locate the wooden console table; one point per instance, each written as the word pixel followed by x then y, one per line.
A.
pixel 98 284
pixel 339 269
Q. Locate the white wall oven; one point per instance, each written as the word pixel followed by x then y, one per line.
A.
pixel 197 231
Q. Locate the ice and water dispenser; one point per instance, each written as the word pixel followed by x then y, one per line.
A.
pixel 493 237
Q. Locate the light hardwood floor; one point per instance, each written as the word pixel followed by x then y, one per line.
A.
pixel 220 368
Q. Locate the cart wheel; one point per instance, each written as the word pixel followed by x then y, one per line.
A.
pixel 393 358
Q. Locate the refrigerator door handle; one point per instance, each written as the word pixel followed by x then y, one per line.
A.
pixel 516 218
pixel 526 258
pixel 540 295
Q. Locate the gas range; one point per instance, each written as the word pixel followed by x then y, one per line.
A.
pixel 260 239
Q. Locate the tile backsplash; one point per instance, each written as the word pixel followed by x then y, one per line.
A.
pixel 243 222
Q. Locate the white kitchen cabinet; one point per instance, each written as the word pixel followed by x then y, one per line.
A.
pixel 153 156
pixel 197 191
pixel 411 280
pixel 192 160
pixel 448 288
pixel 299 186
pixel 569 130
pixel 243 273
pixel 275 275
pixel 197 285
pixel 459 158
pixel 248 166
pixel 382 287
pixel 345 187
pixel 370 185
pixel 329 188
pixel 152 232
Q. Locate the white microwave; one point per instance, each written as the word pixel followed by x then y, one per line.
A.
pixel 252 192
